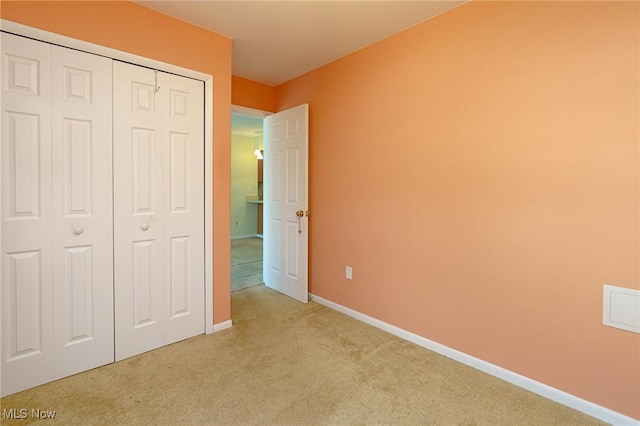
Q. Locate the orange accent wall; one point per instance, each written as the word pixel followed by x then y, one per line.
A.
pixel 132 28
pixel 480 173
pixel 251 94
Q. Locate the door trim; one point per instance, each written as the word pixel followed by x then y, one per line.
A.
pixel 49 37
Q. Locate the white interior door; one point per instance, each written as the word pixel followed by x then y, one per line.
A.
pixel 286 236
pixel 158 208
pixel 57 291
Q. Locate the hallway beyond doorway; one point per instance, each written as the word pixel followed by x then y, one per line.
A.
pixel 246 263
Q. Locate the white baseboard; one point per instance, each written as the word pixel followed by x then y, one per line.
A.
pixel 221 326
pixel 561 397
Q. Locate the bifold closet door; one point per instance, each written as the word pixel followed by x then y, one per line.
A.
pixel 57 252
pixel 158 208
pixel 82 211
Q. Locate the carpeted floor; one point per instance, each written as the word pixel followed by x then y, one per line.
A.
pixel 246 263
pixel 288 363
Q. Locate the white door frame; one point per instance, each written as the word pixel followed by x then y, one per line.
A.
pixel 61 40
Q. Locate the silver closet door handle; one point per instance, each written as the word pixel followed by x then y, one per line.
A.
pixel 144 226
pixel 78 230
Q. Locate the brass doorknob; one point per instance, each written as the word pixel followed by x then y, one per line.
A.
pixel 300 213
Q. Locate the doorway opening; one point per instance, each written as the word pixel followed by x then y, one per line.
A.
pixel 286 203
pixel 246 201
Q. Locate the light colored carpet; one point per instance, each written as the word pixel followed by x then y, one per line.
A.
pixel 246 263
pixel 246 250
pixel 288 363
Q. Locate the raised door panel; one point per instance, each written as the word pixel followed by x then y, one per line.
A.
pixel 272 209
pixel 143 153
pixel 23 146
pixel 180 277
pixel 78 291
pixel 25 308
pixel 25 160
pixel 82 209
pixel 77 152
pixel 179 172
pixel 145 275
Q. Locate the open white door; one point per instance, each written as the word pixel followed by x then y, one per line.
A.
pixel 286 236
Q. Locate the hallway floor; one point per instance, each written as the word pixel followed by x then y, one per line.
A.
pixel 246 263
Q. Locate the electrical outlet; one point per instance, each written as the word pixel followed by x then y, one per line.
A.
pixel 348 273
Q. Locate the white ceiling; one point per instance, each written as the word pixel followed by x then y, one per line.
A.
pixel 275 41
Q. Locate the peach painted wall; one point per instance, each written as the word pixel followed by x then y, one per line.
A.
pixel 132 28
pixel 480 173
pixel 251 94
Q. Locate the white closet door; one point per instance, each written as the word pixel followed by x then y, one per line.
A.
pixel 82 211
pixel 158 207
pixel 137 156
pixel 27 311
pixel 57 255
pixel 182 111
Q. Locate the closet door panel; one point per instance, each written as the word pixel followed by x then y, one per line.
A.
pixel 82 208
pixel 25 157
pixel 138 156
pixel 183 124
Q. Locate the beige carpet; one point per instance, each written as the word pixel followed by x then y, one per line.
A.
pixel 246 250
pixel 287 363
